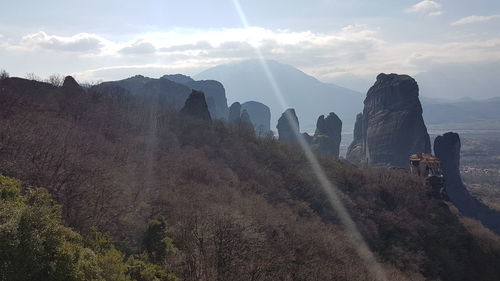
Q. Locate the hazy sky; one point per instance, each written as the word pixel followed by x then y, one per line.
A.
pixel 444 42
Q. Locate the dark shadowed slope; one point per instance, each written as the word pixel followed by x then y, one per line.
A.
pixel 309 96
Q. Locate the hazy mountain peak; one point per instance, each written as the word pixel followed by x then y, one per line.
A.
pixel 247 80
pixel 178 78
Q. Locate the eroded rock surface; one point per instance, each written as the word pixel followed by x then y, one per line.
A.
pixel 234 113
pixel 260 115
pixel 288 126
pixel 392 125
pixel 355 150
pixel 447 149
pixel 196 106
pixel 328 135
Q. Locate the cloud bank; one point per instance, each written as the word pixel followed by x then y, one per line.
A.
pixel 82 42
pixel 355 50
pixel 474 19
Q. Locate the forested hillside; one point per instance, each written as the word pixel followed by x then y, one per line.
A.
pixel 206 200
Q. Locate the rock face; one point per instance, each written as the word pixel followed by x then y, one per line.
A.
pixel 234 113
pixel 196 106
pixel 260 115
pixel 245 120
pixel 355 150
pixel 328 135
pixel 70 84
pixel 215 91
pixel 288 126
pixel 245 117
pixel 178 78
pixel 447 149
pixel 162 91
pixel 392 123
pixel 173 90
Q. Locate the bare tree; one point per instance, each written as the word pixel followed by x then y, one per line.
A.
pixel 3 74
pixel 32 76
pixel 56 80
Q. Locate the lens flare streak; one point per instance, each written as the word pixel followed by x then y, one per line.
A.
pixel 327 186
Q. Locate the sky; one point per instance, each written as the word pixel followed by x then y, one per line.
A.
pixel 452 47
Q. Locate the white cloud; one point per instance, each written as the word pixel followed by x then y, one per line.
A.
pixel 428 7
pixel 474 19
pixel 82 42
pixel 353 50
pixel 138 48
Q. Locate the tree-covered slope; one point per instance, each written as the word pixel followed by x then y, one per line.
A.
pixel 233 206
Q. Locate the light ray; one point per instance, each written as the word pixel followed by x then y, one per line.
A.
pixel 328 187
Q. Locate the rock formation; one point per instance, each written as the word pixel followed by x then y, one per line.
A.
pixel 260 115
pixel 392 123
pixel 173 90
pixel 178 78
pixel 213 90
pixel 245 117
pixel 70 85
pixel 328 135
pixel 214 93
pixel 447 149
pixel 245 120
pixel 288 126
pixel 196 106
pixel 355 150
pixel 161 91
pixel 234 113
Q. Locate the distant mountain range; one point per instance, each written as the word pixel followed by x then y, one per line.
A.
pixel 245 81
pixel 463 114
pixel 310 97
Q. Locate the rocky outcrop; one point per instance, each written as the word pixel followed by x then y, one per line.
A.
pixel 178 78
pixel 196 106
pixel 214 93
pixel 70 85
pixel 392 123
pixel 164 92
pixel 355 150
pixel 234 113
pixel 245 117
pixel 245 120
pixel 288 126
pixel 213 90
pixel 173 90
pixel 327 137
pixel 447 149
pixel 260 115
